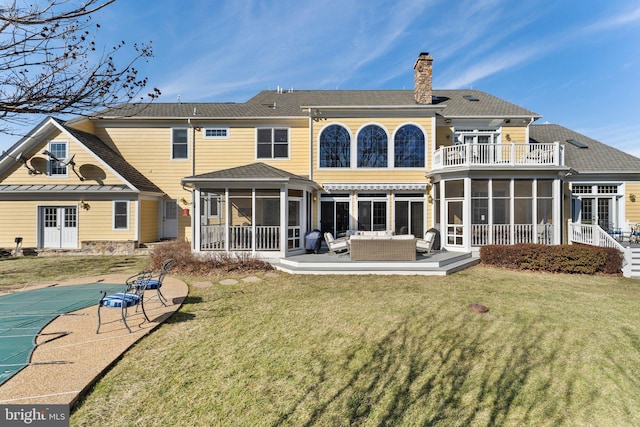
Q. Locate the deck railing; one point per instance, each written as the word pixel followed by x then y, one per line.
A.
pixel 524 155
pixel 267 237
pixel 508 234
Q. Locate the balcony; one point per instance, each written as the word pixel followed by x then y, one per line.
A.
pixel 499 155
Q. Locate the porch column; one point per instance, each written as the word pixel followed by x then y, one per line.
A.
pixel 558 201
pixel 227 215
pixel 284 221
pixel 196 220
pixel 467 214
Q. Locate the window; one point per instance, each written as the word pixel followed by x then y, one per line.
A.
pixel 409 147
pixel 476 136
pixel 54 167
pixel 581 189
pixel 216 133
pixel 120 215
pixel 372 212
pixel 607 189
pixel 273 143
pixel 179 143
pixel 372 147
pixel 335 147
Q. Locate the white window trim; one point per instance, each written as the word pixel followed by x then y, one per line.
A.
pixel 351 136
pixel 113 214
pixel 225 129
pixel 354 151
pixel 392 150
pixel 172 144
pixel 66 167
pixel 273 128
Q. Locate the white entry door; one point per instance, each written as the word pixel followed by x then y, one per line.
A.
pixel 170 219
pixel 59 227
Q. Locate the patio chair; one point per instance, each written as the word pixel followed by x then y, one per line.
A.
pixel 614 231
pixel 634 235
pixel 153 280
pixel 133 295
pixel 425 245
pixel 336 245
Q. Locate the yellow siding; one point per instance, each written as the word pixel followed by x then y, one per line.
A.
pixel 86 164
pixel 18 219
pixel 632 207
pixel 96 223
pixel 389 175
pixel 84 125
pixel 240 148
pixel 149 226
pixel 149 151
pixel 515 135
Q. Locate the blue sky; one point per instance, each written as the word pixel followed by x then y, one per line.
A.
pixel 575 63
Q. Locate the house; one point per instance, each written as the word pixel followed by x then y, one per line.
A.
pixel 256 176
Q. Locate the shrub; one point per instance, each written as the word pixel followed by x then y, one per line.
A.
pixel 187 262
pixel 578 259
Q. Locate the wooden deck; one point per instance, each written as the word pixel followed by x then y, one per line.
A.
pixel 439 263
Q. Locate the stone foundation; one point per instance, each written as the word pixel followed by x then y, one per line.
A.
pixel 108 247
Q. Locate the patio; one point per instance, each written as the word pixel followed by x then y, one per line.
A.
pixel 439 263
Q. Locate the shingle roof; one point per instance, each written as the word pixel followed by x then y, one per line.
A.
pixel 596 158
pixel 113 159
pixel 289 104
pixel 252 172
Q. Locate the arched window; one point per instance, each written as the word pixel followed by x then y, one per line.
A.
pixel 372 147
pixel 409 147
pixel 335 147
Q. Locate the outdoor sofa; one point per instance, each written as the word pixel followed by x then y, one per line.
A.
pixel 382 247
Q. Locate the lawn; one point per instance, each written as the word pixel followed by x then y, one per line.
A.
pixel 384 350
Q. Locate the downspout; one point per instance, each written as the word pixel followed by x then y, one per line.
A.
pixel 309 209
pixel 310 146
pixel 193 172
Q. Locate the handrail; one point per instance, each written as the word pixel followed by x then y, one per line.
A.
pixel 592 234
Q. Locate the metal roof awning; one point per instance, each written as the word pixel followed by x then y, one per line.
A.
pixel 348 186
pixel 63 188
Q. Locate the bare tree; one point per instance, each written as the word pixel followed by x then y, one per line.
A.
pixel 50 64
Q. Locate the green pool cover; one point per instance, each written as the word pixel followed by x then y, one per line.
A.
pixel 24 314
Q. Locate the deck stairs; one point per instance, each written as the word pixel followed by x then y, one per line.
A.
pixel 439 263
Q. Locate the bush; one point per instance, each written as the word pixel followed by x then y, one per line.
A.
pixel 187 262
pixel 577 259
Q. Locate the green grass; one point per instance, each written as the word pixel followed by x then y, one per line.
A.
pixel 24 270
pixel 385 350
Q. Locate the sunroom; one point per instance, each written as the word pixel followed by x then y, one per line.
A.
pixel 254 208
pixel 505 208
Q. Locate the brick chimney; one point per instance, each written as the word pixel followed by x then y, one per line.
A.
pixel 422 78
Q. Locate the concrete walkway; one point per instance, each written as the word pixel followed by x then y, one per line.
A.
pixel 61 369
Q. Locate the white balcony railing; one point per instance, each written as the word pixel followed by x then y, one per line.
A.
pixel 525 155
